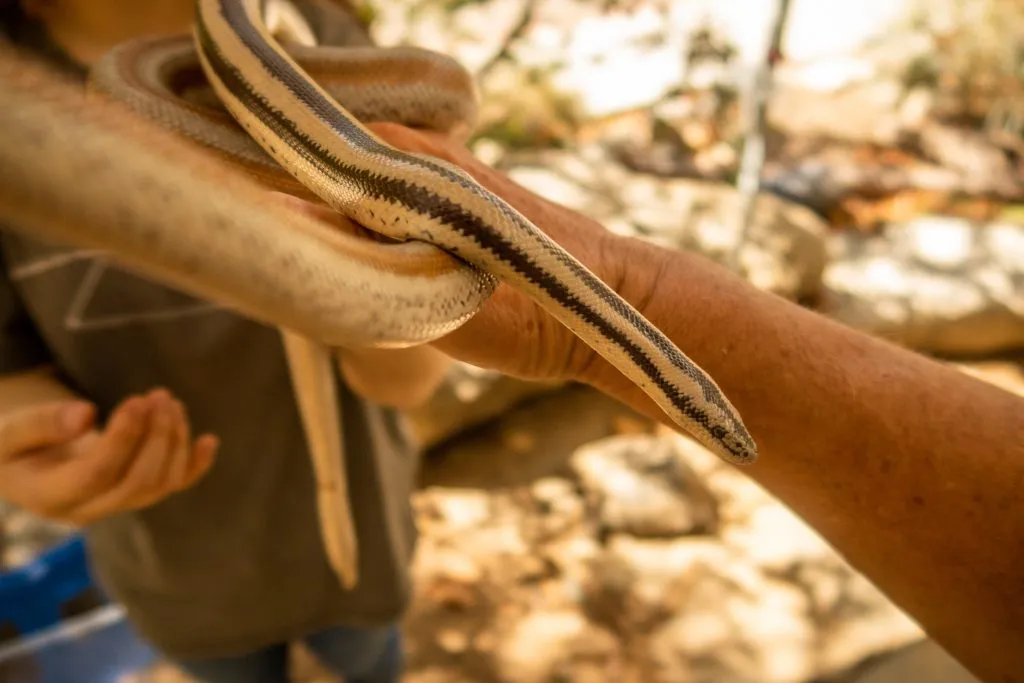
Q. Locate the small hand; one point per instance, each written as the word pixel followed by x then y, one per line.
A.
pixel 56 464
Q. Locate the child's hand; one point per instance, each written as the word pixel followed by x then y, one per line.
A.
pixel 56 464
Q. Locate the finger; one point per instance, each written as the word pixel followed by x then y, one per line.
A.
pixel 137 490
pixel 203 454
pixel 92 475
pixel 42 426
pixel 109 456
pixel 182 455
pixel 146 477
pixel 131 489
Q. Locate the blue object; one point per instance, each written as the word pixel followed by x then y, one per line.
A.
pixel 32 596
pixel 98 647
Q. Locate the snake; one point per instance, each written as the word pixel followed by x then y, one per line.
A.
pixel 250 107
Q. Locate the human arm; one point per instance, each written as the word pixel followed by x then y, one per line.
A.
pixel 398 378
pixel 911 469
pixel 56 463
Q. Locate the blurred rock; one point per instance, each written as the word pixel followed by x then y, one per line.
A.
pixel 775 539
pixel 936 284
pixel 823 178
pixel 874 111
pixel 559 509
pixel 737 496
pixel 635 585
pixel 469 396
pixel 530 440
pixel 865 625
pixel 725 633
pixel 640 486
pixel 1008 374
pixel 784 251
pixel 557 645
pixel 983 167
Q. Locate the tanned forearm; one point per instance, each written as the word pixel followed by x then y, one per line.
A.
pixel 398 378
pixel 913 470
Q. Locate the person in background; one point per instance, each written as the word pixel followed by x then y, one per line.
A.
pixel 166 428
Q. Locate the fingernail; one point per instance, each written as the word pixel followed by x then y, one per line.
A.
pixel 75 416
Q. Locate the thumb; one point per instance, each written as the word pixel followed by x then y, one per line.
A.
pixel 43 425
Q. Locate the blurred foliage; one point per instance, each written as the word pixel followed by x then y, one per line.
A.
pixel 977 67
pixel 539 114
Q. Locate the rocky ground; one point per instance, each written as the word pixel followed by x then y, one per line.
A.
pixel 633 555
pixel 565 538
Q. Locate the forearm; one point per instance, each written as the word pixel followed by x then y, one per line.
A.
pixel 911 469
pixel 399 378
pixel 914 471
pixel 23 389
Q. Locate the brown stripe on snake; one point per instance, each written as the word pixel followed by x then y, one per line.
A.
pixel 724 432
pixel 153 69
pixel 162 78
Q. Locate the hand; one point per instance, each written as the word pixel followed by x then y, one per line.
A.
pixel 399 378
pixel 57 465
pixel 512 333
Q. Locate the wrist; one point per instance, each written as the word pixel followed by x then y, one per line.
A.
pixel 683 294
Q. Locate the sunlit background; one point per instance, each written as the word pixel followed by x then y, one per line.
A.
pixel 566 539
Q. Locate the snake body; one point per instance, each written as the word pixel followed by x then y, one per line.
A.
pixel 291 117
pixel 412 197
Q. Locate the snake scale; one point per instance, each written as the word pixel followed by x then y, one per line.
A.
pixel 290 115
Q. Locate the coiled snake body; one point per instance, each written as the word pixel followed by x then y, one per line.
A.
pixel 293 122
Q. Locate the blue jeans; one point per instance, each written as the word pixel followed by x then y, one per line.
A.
pixel 359 655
